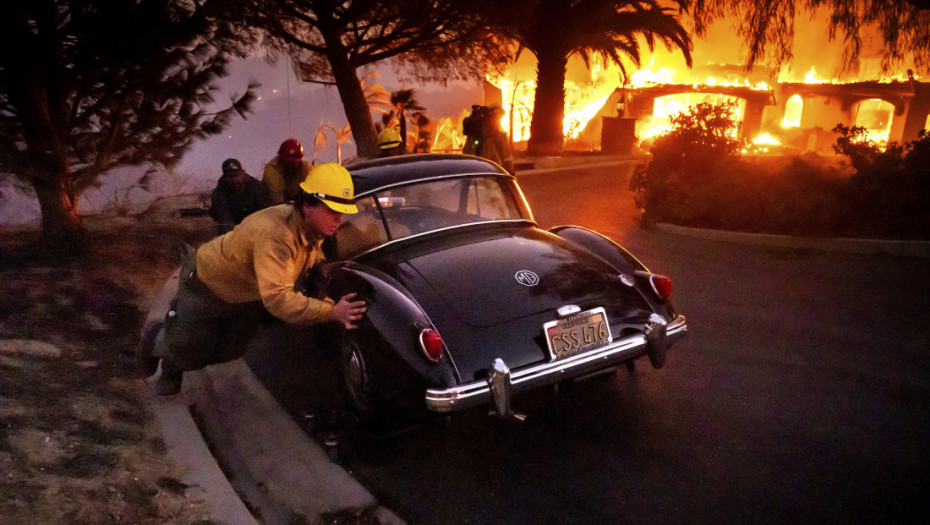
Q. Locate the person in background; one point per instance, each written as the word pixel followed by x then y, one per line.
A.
pixel 473 129
pixel 389 143
pixel 234 278
pixel 486 138
pixel 237 195
pixel 495 141
pixel 284 173
pixel 422 146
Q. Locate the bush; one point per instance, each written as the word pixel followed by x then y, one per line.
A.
pixel 889 194
pixel 685 166
pixel 696 177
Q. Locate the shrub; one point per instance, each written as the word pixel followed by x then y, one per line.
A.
pixel 890 191
pixel 696 178
pixel 685 165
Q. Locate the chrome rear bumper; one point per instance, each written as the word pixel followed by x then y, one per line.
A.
pixel 480 392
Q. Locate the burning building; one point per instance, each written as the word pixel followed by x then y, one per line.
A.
pixel 792 106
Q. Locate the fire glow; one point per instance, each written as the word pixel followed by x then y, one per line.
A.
pixel 582 103
pixel 586 101
pixel 796 106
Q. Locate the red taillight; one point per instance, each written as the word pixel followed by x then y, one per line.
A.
pixel 431 343
pixel 662 286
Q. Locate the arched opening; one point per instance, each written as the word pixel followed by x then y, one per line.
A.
pixel 669 105
pixel 793 109
pixel 875 115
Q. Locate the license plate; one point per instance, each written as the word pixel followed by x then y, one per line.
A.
pixel 577 333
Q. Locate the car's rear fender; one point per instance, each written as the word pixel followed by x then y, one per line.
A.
pixel 604 248
pixel 392 323
pixel 618 257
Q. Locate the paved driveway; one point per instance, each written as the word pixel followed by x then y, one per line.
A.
pixel 801 395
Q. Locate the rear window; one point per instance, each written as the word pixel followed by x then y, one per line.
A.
pixel 420 208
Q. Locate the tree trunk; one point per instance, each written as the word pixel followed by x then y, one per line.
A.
pixel 403 128
pixel 62 230
pixel 356 107
pixel 546 134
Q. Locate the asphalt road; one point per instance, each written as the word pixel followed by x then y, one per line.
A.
pixel 801 395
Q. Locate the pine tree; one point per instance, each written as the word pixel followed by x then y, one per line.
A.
pixel 331 41
pixel 89 85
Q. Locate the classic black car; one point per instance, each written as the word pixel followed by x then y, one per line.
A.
pixel 469 302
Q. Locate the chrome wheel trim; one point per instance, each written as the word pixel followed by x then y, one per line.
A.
pixel 356 376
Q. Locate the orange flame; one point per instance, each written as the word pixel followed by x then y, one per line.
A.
pixel 588 90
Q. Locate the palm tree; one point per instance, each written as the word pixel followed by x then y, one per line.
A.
pixel 421 135
pixel 333 41
pixel 321 141
pixel 404 100
pixel 376 96
pixel 554 30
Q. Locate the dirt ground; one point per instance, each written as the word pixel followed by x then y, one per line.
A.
pixel 78 439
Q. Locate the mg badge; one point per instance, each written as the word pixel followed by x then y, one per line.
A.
pixel 527 278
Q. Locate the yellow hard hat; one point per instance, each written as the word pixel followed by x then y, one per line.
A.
pixel 332 184
pixel 388 138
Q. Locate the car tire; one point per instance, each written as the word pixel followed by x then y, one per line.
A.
pixel 355 378
pixel 376 416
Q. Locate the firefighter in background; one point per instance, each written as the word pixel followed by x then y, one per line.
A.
pixel 389 143
pixel 423 145
pixel 284 173
pixel 484 136
pixel 237 195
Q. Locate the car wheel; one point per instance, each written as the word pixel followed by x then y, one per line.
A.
pixel 354 367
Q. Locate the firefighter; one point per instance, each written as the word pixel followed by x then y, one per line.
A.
pixel 389 143
pixel 495 142
pixel 237 195
pixel 235 278
pixel 486 137
pixel 284 173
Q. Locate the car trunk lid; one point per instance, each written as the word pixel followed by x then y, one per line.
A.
pixel 493 280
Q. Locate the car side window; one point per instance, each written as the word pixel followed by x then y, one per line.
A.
pixel 360 231
pixel 486 199
pixel 423 207
pixel 441 194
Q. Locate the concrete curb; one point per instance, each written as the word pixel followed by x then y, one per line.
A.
pixel 534 165
pixel 858 246
pixel 270 463
pixel 205 480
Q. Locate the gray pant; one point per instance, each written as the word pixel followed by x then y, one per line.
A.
pixel 201 329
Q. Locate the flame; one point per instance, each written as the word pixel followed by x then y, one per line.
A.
pixel 650 76
pixel 582 103
pixel 811 77
pixel 518 100
pixel 766 139
pixel 659 123
pixel 575 120
pixel 588 89
pixel 763 143
pixel 646 77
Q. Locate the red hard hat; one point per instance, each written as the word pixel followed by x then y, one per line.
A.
pixel 291 151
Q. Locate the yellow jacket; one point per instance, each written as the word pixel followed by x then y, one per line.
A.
pixel 278 188
pixel 262 258
pixel 495 146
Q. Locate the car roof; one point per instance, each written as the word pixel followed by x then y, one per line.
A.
pixel 372 174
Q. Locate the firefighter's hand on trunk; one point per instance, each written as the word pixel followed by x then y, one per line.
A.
pixel 348 312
